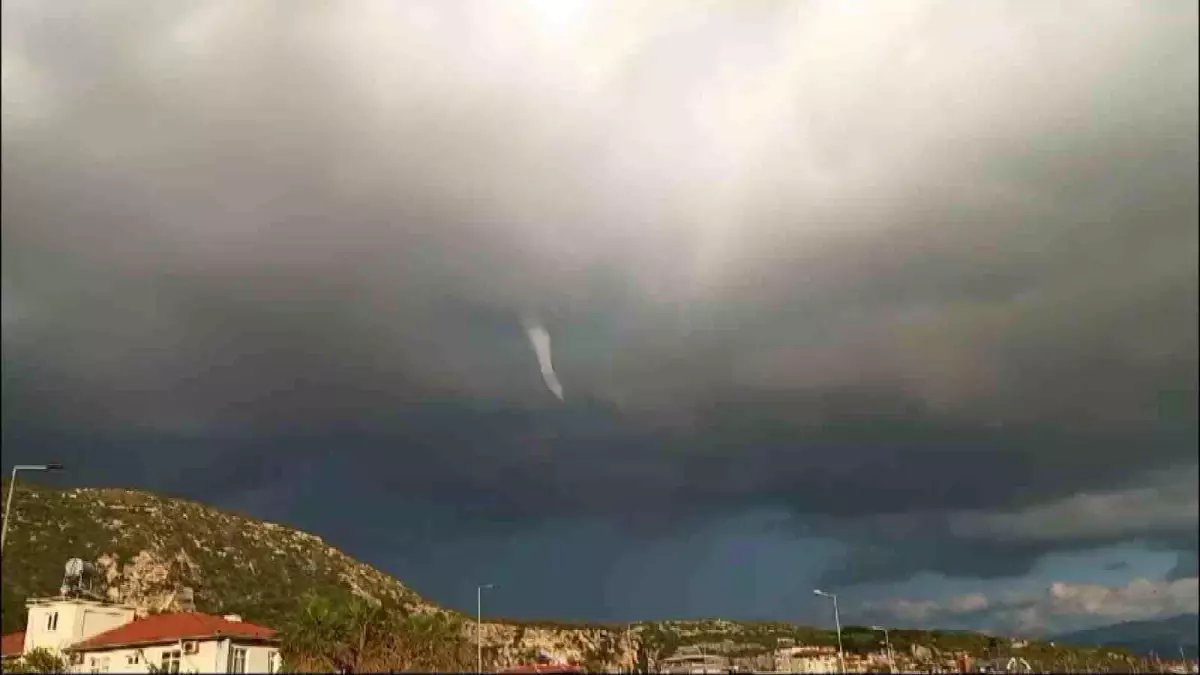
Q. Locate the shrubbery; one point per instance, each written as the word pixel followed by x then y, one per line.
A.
pixel 38 660
pixel 337 632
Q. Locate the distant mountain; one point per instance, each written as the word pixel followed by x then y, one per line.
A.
pixel 1161 636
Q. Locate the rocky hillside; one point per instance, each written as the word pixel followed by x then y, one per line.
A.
pixel 161 553
pixel 599 647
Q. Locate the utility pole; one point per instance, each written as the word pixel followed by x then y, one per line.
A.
pixel 887 642
pixel 837 622
pixel 12 488
pixel 479 624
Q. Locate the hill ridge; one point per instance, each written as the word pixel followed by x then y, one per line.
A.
pixel 1163 636
pixel 233 562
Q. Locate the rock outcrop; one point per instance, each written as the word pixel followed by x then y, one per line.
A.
pixel 596 648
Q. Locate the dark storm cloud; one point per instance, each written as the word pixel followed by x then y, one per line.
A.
pixel 900 270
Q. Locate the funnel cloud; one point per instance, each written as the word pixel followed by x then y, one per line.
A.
pixel 539 338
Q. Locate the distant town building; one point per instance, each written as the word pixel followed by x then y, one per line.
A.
pixel 544 668
pixel 545 663
pixel 807 659
pixel 694 664
pixel 1010 664
pixel 921 652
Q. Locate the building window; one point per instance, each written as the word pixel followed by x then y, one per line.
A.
pixel 170 661
pixel 104 665
pixel 52 621
pixel 133 658
pixel 94 664
pixel 237 660
pixel 272 661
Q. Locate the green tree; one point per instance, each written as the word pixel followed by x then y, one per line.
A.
pixel 318 638
pixel 427 642
pixel 336 631
pixel 38 660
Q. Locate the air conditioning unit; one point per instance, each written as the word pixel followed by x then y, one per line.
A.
pixel 191 646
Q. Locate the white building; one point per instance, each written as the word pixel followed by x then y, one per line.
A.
pixel 97 637
pixel 56 623
pixel 694 664
pixel 807 659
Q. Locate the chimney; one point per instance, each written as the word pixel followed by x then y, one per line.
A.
pixel 233 618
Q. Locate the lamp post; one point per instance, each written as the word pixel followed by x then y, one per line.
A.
pixel 837 622
pixel 887 643
pixel 479 623
pixel 12 485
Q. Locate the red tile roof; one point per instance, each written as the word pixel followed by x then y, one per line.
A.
pixel 160 628
pixel 12 644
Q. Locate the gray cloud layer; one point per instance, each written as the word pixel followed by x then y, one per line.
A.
pixel 1062 606
pixel 924 261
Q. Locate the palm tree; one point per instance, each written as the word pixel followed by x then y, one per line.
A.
pixel 315 639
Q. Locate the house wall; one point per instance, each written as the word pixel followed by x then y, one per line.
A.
pixel 258 658
pixel 808 664
pixel 38 634
pixel 77 620
pixel 212 656
pixel 96 620
pixel 205 660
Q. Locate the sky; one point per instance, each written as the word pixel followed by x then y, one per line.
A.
pixel 897 300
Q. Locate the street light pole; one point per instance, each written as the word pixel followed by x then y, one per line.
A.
pixel 479 624
pixel 837 622
pixel 887 643
pixel 12 484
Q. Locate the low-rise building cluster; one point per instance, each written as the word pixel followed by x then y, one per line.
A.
pixel 93 636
